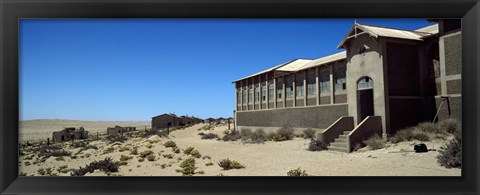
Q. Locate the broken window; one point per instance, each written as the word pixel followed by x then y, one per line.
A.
pixel 279 88
pixel 340 79
pixel 299 90
pixel 311 82
pixel 289 86
pixel 271 90
pixel 325 81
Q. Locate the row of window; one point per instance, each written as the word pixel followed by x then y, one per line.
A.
pixel 324 85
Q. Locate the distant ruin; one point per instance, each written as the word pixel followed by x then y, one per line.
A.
pixel 69 133
pixel 119 129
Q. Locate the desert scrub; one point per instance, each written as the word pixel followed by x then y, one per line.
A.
pixel 316 145
pixel 188 150
pixel 228 164
pixel 151 157
pixel 188 167
pixel 258 136
pixel 60 158
pixel 286 131
pixel 141 159
pixel 297 172
pixel 450 155
pixel 209 136
pixel 448 125
pixel 27 163
pixel 63 169
pixel 149 146
pixel 169 156
pixel 134 151
pixel 122 149
pixel 125 158
pixel 170 144
pixel 108 150
pixel 279 138
pixel 176 150
pixel 374 142
pixel 106 165
pixel 209 164
pixel 121 163
pixel 232 136
pixel 22 174
pixel 116 138
pixel 206 157
pixel 246 133
pixel 52 150
pixel 309 133
pixel 145 153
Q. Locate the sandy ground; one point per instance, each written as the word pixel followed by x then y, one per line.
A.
pixel 266 159
pixel 42 129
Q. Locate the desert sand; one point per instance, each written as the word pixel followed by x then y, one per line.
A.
pixel 264 159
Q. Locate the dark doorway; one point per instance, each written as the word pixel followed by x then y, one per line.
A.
pixel 365 98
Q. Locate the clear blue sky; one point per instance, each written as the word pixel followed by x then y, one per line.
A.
pixel 132 69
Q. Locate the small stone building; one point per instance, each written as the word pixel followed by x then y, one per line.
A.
pixel 171 120
pixel 69 133
pixel 119 129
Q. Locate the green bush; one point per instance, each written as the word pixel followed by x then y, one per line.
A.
pixel 297 172
pixel 228 164
pixel 316 145
pixel 169 156
pixel 188 150
pixel 209 164
pixel 60 158
pixel 374 142
pixel 63 169
pixel 134 151
pixel 108 150
pixel 145 153
pixel 27 163
pixel 125 158
pixel 188 166
pixel 309 133
pixel 170 144
pixel 279 138
pixel 176 150
pixel 450 155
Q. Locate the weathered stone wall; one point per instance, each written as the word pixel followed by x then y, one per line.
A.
pixel 303 117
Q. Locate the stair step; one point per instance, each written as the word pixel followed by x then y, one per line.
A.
pixel 346 132
pixel 343 136
pixel 340 140
pixel 340 145
pixel 338 149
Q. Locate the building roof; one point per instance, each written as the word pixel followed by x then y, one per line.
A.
pixel 324 60
pixel 377 31
pixel 173 115
pixel 293 65
pixel 265 71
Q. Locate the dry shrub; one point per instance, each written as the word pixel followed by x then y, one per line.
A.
pixel 375 142
pixel 170 144
pixel 232 136
pixel 259 136
pixel 297 172
pixel 309 133
pixel 448 125
pixel 316 145
pixel 228 164
pixel 246 133
pixel 209 136
pixel 451 154
pixel 286 131
pixel 145 153
pixel 106 165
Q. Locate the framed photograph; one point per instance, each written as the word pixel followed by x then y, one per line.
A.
pixel 239 97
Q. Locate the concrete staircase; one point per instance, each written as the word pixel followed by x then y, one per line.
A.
pixel 340 144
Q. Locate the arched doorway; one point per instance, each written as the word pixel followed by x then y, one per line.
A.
pixel 364 98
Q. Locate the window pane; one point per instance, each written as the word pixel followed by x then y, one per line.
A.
pixel 340 79
pixel 289 86
pixel 311 84
pixel 325 82
pixel 279 88
pixel 299 85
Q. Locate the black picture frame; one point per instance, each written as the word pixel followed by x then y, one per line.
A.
pixel 13 10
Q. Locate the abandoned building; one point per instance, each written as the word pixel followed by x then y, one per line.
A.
pixel 69 133
pixel 119 129
pixel 171 120
pixel 386 79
